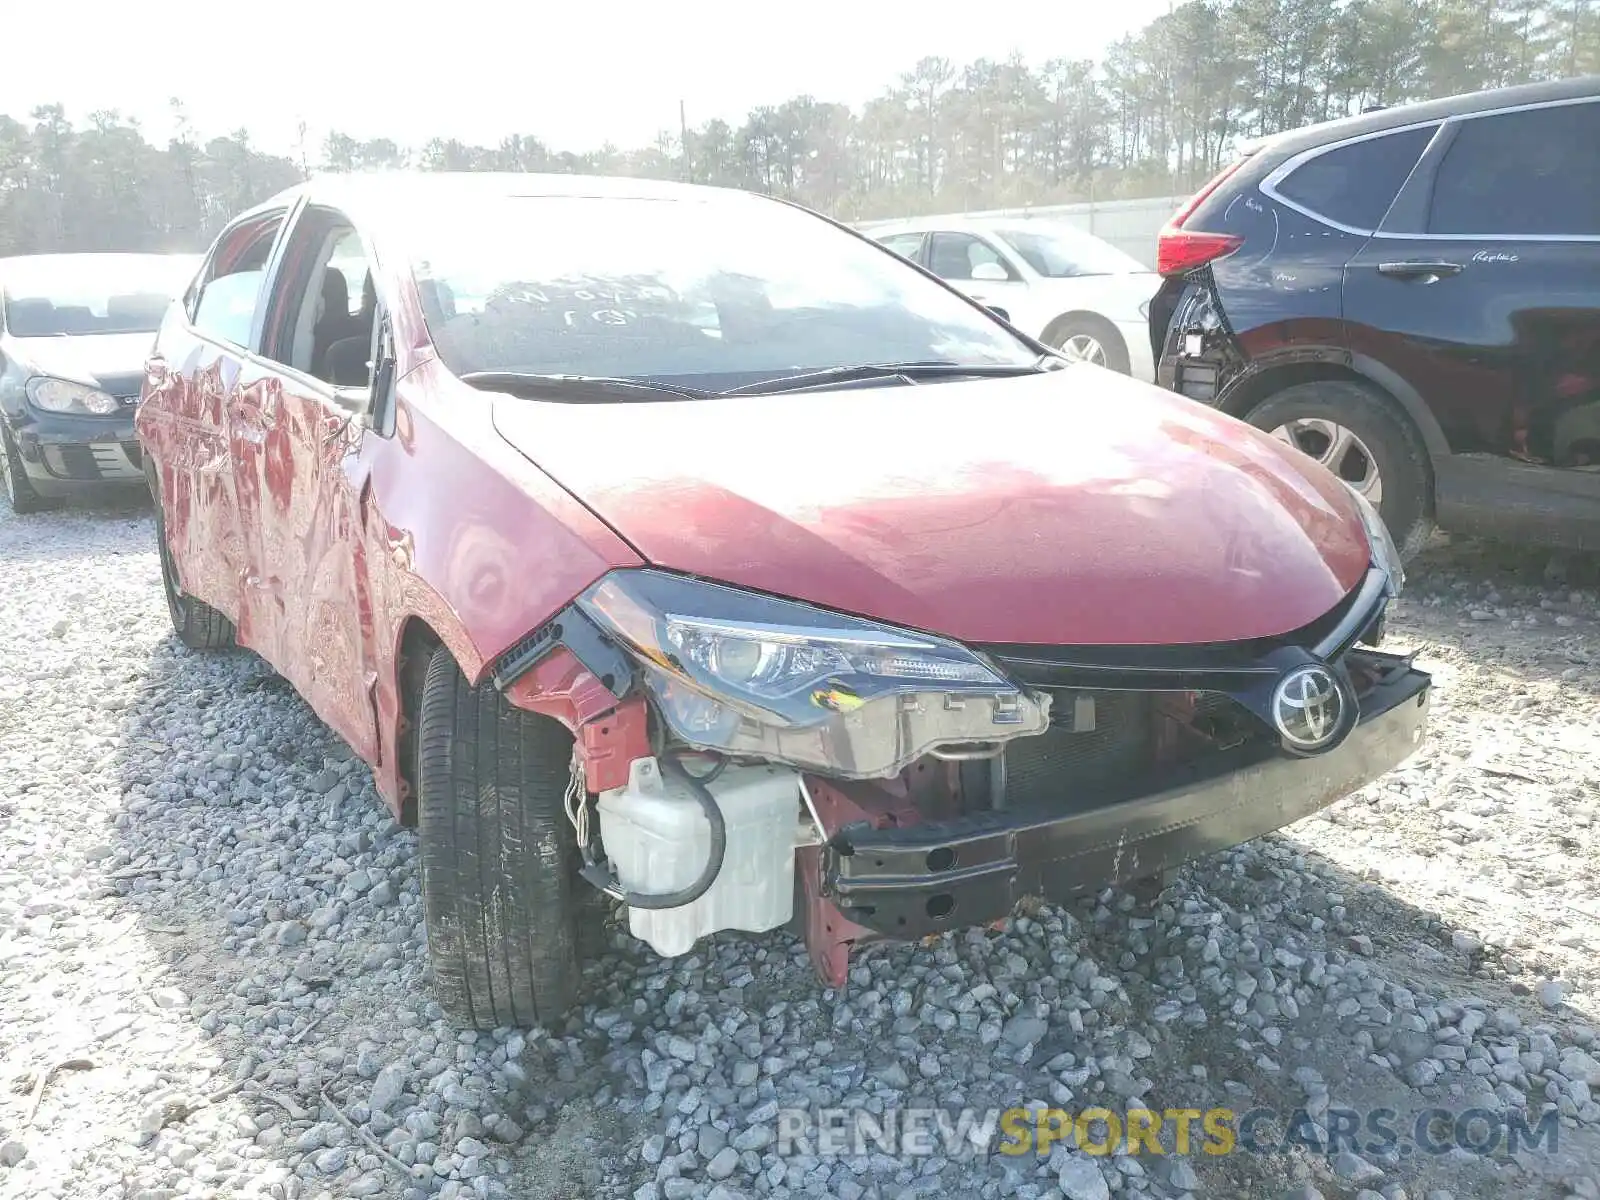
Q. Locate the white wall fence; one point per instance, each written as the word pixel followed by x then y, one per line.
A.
pixel 1129 225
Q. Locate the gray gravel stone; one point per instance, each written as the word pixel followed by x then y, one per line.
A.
pixel 723 1164
pixel 1080 1178
pixel 387 1088
pixel 182 843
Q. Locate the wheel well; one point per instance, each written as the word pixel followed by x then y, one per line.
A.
pixel 1252 391
pixel 418 641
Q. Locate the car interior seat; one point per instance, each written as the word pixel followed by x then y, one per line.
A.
pixel 950 260
pixel 31 317
pixel 336 322
pixel 136 310
pixel 76 318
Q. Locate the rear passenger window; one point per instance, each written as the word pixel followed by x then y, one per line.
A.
pixel 906 245
pixel 1355 184
pixel 230 284
pixel 1530 172
pixel 227 307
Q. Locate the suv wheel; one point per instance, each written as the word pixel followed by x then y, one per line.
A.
pixel 1085 339
pixel 197 624
pixel 14 480
pixel 1356 434
pixel 499 856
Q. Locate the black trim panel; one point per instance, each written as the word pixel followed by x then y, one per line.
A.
pixel 572 629
pixel 909 882
pixel 1214 666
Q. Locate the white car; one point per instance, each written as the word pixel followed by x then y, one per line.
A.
pixel 1065 287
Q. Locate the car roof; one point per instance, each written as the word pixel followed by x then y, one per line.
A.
pixel 1293 141
pixel 392 200
pixel 402 188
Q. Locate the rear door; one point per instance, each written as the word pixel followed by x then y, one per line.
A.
pixel 1481 288
pixel 191 380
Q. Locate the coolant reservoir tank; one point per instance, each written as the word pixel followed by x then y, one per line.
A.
pixel 658 840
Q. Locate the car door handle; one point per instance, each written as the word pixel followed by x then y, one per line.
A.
pixel 1427 271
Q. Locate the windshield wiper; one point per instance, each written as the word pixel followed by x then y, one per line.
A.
pixel 577 386
pixel 911 372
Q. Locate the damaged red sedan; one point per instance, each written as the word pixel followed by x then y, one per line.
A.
pixel 681 546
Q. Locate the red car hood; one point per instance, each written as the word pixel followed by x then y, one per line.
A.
pixel 1076 507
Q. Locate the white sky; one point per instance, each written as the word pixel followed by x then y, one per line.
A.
pixel 575 74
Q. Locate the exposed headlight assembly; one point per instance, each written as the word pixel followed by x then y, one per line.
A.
pixel 64 396
pixel 748 674
pixel 1385 556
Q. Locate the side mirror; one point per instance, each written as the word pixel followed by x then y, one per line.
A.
pixel 999 312
pixel 381 413
pixel 990 272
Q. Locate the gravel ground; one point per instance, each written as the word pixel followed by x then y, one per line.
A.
pixel 212 968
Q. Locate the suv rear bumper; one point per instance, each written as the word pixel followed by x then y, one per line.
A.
pixel 912 881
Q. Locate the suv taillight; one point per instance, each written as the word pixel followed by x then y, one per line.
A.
pixel 1179 249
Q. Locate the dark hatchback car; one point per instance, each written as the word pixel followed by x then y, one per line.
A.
pixel 74 333
pixel 1411 296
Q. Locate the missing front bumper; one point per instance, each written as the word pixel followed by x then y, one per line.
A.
pixel 912 881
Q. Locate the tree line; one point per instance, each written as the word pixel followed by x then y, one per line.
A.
pixel 1160 112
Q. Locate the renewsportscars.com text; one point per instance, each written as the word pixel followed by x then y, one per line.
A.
pixel 920 1132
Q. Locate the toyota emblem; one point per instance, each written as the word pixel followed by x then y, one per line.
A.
pixel 1308 708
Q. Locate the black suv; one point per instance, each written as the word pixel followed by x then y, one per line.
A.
pixel 1411 296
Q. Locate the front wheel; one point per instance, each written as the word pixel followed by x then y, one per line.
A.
pixel 1356 433
pixel 499 857
pixel 197 624
pixel 14 483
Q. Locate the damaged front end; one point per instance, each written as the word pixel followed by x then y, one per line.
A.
pixel 745 762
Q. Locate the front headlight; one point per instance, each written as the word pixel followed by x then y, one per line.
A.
pixel 1385 555
pixel 64 396
pixel 753 675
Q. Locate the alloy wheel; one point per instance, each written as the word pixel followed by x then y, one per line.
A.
pixel 1337 449
pixel 1083 347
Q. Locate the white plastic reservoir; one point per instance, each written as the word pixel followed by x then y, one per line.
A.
pixel 658 840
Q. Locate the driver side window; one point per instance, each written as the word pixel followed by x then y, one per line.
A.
pixel 324 317
pixel 955 256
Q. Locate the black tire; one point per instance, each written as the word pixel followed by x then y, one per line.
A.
pixel 1397 449
pixel 499 857
pixel 197 624
pixel 1102 331
pixel 14 482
